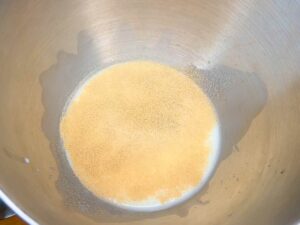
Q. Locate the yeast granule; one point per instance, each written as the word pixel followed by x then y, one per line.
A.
pixel 137 131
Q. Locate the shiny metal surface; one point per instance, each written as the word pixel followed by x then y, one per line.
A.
pixel 5 211
pixel 245 54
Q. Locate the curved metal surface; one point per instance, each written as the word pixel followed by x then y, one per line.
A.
pixel 245 54
pixel 5 212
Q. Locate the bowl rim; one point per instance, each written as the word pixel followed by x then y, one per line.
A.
pixel 4 197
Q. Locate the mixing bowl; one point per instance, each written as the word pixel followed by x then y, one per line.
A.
pixel 244 54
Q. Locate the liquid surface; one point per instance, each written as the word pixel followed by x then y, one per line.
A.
pixel 138 133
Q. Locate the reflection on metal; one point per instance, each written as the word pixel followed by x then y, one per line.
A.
pixel 247 49
pixel 5 212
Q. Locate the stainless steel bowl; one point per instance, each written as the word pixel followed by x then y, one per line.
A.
pixel 245 54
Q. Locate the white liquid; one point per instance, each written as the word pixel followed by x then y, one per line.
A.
pixel 153 204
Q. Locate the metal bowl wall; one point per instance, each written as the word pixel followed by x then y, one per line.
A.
pixel 245 54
